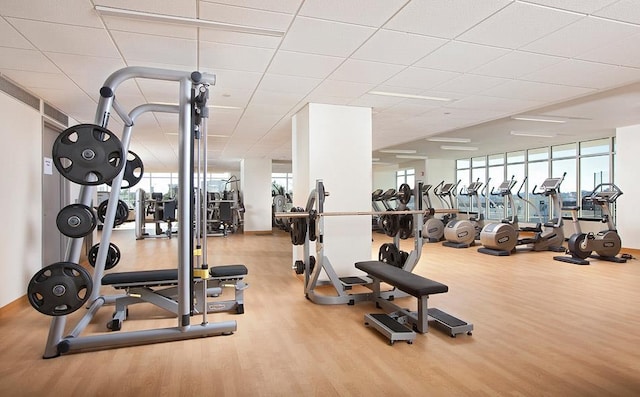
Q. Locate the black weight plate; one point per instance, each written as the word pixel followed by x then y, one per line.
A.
pixel 59 289
pixel 113 256
pixel 122 212
pixel 390 223
pixel 76 220
pixel 404 193
pixel 405 226
pixel 133 171
pixel 88 149
pixel 389 253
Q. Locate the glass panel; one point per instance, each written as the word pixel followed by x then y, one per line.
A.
pixel 462 163
pixel 496 159
pixel 517 171
pixel 496 177
pixel 568 150
pixel 538 154
pixel 515 157
pixel 594 147
pixel 540 210
pixel 593 171
pixel 479 161
pixel 569 187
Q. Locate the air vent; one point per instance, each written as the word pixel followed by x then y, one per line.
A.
pixel 56 114
pixel 19 93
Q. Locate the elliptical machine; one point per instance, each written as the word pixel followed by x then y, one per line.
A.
pixel 501 239
pixel 433 228
pixel 458 233
pixel 606 243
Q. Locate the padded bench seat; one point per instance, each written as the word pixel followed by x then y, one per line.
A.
pixel 228 271
pixel 412 284
pixel 145 277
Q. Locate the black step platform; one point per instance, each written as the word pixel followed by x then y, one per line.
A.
pixel 389 327
pixel 453 324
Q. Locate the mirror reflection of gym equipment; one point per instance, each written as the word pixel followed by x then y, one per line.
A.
pixel 225 211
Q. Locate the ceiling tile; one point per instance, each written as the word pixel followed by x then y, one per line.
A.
pixel 52 11
pixel 470 84
pixel 98 67
pixel 286 6
pixel 581 36
pixel 227 79
pixel 320 37
pixel 290 84
pixel 342 89
pixel 36 80
pixel 251 40
pixel 585 74
pixel 457 56
pixel 586 6
pixel 397 47
pixel 283 101
pixel 420 78
pixel 234 57
pixel 244 16
pixel 9 37
pixel 305 65
pixel 624 53
pixel 65 38
pixel 445 19
pixel 147 48
pixel 364 71
pixel 29 60
pixel 622 10
pixel 500 105
pixel 526 90
pixel 515 64
pixel 517 25
pixel 360 12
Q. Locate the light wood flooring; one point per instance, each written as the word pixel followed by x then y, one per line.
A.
pixel 542 328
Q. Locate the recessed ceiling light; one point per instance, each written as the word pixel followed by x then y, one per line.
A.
pixel 534 134
pixel 375 159
pixel 536 118
pixel 454 147
pixel 224 107
pixel 409 156
pixel 410 96
pixel 399 151
pixel 447 139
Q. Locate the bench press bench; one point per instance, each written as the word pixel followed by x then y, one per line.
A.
pixel 400 323
pixel 159 287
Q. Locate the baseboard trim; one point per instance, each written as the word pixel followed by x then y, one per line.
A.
pixel 259 232
pixel 14 306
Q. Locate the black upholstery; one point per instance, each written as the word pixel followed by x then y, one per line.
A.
pixel 140 277
pixel 228 271
pixel 412 284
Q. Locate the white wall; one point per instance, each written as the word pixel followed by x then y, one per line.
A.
pixel 255 179
pixel 384 177
pixel 628 220
pixel 333 143
pixel 22 165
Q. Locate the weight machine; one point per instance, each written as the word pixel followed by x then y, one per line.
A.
pixel 90 155
pixel 162 211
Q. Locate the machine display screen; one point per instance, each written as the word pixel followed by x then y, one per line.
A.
pixel 551 183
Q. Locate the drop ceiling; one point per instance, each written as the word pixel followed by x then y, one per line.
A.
pixel 567 60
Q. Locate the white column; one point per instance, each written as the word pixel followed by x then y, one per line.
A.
pixel 255 180
pixel 333 143
pixel 627 219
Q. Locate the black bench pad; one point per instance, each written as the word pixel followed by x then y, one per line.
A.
pixel 139 277
pixel 154 276
pixel 228 271
pixel 412 284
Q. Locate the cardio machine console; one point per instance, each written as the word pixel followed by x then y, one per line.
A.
pixel 551 184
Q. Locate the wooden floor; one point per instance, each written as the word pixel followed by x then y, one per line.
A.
pixel 542 328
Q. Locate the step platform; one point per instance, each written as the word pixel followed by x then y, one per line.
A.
pixel 349 282
pixel 451 324
pixel 389 327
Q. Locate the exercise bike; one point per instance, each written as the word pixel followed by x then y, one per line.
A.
pixel 606 243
